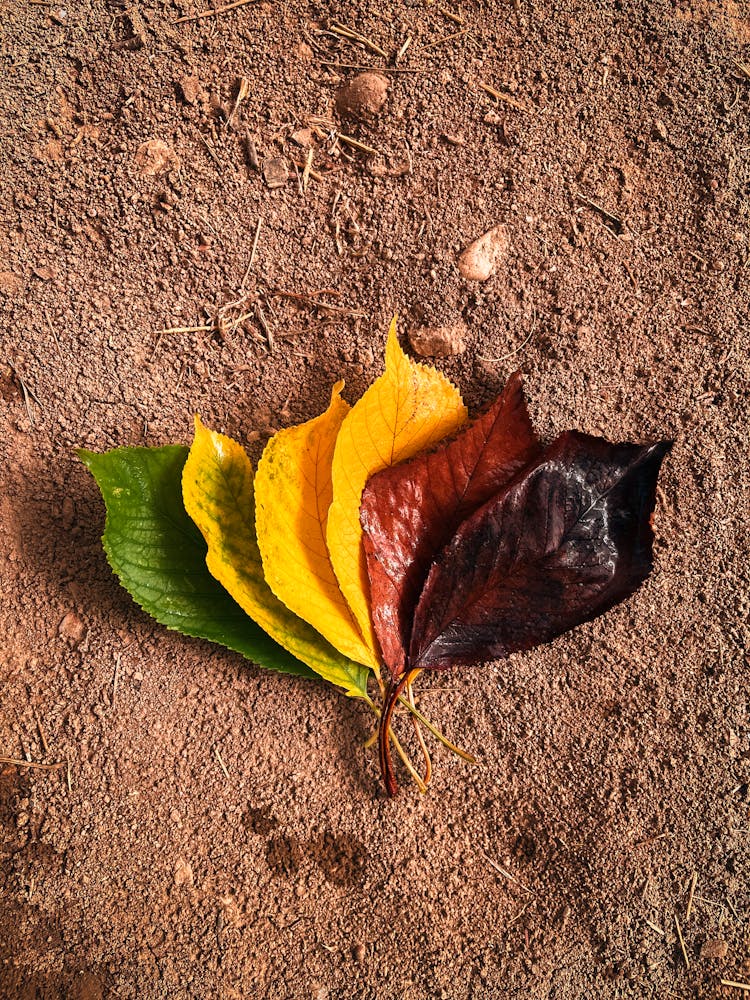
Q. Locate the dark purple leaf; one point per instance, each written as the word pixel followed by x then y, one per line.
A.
pixel 567 540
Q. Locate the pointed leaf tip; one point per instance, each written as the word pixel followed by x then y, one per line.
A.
pixel 410 407
pixel 410 511
pixel 568 539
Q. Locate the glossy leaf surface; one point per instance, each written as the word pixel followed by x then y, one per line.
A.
pixel 410 407
pixel 410 511
pixel 568 539
pixel 217 485
pixel 160 556
pixel 293 492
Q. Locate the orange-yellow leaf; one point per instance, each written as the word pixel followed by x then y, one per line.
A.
pixel 410 407
pixel 292 495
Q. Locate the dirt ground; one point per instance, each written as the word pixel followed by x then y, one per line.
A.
pixel 217 831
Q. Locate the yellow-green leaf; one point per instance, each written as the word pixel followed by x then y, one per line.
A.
pixel 410 407
pixel 217 487
pixel 293 492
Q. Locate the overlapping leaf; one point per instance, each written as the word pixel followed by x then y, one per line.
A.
pixel 160 556
pixel 410 407
pixel 218 494
pixel 566 541
pixel 411 510
pixel 293 491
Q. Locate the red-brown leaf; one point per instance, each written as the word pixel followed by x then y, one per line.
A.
pixel 563 543
pixel 410 511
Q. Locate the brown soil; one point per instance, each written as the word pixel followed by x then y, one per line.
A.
pixel 614 764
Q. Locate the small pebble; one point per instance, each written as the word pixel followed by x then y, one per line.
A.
pixel 362 97
pixel 480 259
pixel 191 89
pixel 303 137
pixel 714 948
pixel 439 341
pixel 660 129
pixel 275 172
pixel 183 873
pixel 10 284
pixel 358 953
pixel 72 627
pixel 155 157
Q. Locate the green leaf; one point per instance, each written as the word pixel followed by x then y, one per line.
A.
pixel 160 556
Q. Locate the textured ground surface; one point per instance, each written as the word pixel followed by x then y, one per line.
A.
pixel 611 799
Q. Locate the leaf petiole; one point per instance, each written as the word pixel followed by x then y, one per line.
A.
pixel 407 763
pixel 420 738
pixel 372 739
pixel 463 754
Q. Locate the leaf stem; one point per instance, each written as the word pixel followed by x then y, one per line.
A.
pixel 420 738
pixel 421 785
pixel 463 754
pixel 395 687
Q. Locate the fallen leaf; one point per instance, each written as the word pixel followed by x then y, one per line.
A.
pixel 410 407
pixel 409 512
pixel 160 556
pixel 293 492
pixel 567 540
pixel 217 485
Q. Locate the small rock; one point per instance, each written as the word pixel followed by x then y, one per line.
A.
pixel 439 341
pixel 44 273
pixel 660 130
pixel 303 137
pixel 358 953
pixel 480 258
pixel 10 284
pixel 362 97
pixel 183 873
pixel 275 172
pixel 155 157
pixel 191 88
pixel 714 948
pixel 72 628
pixel 303 52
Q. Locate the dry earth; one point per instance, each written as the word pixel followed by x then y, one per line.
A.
pixel 611 797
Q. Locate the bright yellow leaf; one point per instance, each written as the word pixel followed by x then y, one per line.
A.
pixel 217 488
pixel 410 407
pixel 293 492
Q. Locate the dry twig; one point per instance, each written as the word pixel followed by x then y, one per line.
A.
pixel 17 762
pixel 356 144
pixel 252 253
pixel 682 942
pixel 213 12
pixel 354 36
pixel 446 38
pixel 505 98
